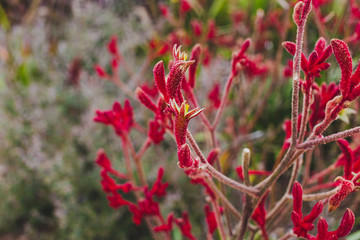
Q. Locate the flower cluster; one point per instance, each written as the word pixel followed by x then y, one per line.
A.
pixel 303 225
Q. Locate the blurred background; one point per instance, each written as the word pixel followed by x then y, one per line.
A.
pixel 49 92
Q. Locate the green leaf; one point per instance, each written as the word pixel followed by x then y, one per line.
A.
pixel 4 21
pixel 23 74
pixel 216 7
pixel 354 236
pixel 344 114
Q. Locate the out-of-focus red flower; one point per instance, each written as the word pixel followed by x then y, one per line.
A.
pixel 167 226
pixel 322 95
pixel 288 70
pixel 210 219
pixel 259 216
pixel 100 71
pixel 120 118
pixel 214 95
pixel 185 6
pixel 349 83
pixel 156 132
pixel 302 225
pixel 185 226
pixel 196 27
pixel 112 45
pixel 159 189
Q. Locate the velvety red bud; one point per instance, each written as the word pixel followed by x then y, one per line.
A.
pixel 185 6
pixel 159 77
pixel 114 63
pixel 322 227
pixel 297 193
pixel 100 71
pixel 346 188
pixel 102 160
pixel 355 78
pixel 211 34
pixel 213 155
pixel 210 219
pixel 145 99
pixel 195 53
pixel 184 157
pixel 244 46
pixel 196 26
pixel 347 223
pixel 349 157
pixel 330 105
pixel 298 12
pixel 290 47
pixel 343 57
pixel 176 74
pixel 314 213
pixel 112 45
pixel 164 10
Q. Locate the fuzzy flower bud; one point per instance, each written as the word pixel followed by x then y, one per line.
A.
pixel 145 99
pixel 195 53
pixel 346 188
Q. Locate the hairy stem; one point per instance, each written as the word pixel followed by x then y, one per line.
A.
pixel 218 175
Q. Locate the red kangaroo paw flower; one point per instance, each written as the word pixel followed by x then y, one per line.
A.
pixel 177 71
pixel 213 156
pixel 185 160
pixel 159 189
pixel 166 227
pixel 259 216
pixel 211 30
pixel 195 54
pixel 210 219
pixel 100 71
pixel 346 188
pixel 297 193
pixel 145 99
pixel 196 27
pixel 156 132
pixel 103 161
pixel 185 226
pixel 322 227
pixel 298 11
pixel 214 95
pixel 303 225
pixel 183 116
pixel 112 45
pixel 349 157
pixel 347 223
pixel 159 77
pixel 344 59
